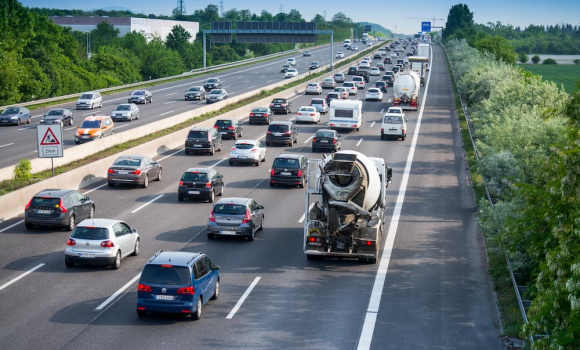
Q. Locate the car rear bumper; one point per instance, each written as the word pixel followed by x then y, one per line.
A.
pixel 174 307
pixel 99 258
pixel 191 192
pixel 244 230
pixel 263 120
pixel 126 180
pixel 280 140
pixel 285 180
pixel 61 220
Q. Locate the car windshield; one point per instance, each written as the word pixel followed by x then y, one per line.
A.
pixel 96 233
pixel 194 89
pixel 56 112
pixel 194 177
pixel 348 84
pixel 197 134
pixel 10 111
pixel 317 102
pixel 127 162
pixel 325 134
pixel 245 145
pixel 211 81
pixel 314 63
pixel 278 100
pixel 332 95
pixel 91 124
pixel 278 128
pixel 259 110
pixel 292 70
pixel 139 92
pixel 373 91
pixel 216 92
pixel 307 109
pixel 393 120
pixel 229 209
pixel 166 274
pixel 86 96
pixel 380 83
pixel 286 163
pixel 223 123
pixel 313 85
pixel 123 108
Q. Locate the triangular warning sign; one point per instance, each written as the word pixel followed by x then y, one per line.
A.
pixel 49 139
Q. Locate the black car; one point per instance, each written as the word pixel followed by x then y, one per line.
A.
pixel 62 116
pixel 352 71
pixel 332 96
pixel 212 83
pixel 381 85
pixel 195 93
pixel 289 169
pixel 207 140
pixel 326 139
pixel 395 69
pixel 231 128
pixel 282 132
pixel 58 208
pixel 363 73
pixel 377 56
pixel 261 115
pixel 204 183
pixel 280 105
pixel 389 79
pixel 387 60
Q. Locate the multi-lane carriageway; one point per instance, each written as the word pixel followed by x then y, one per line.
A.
pixel 429 290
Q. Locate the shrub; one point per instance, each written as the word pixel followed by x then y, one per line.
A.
pixel 549 61
pixel 23 170
pixel 536 59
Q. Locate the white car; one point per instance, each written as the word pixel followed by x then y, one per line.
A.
pixel 340 54
pixel 359 82
pixel 394 53
pixel 396 110
pixel 374 94
pixel 364 64
pixel 351 87
pixel 291 73
pixel 248 151
pixel 291 61
pixel 307 114
pixel 374 71
pixel 313 88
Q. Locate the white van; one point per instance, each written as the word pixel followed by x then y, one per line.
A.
pixel 394 125
pixel 347 42
pixel 345 114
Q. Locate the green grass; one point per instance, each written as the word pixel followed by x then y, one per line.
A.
pixel 561 74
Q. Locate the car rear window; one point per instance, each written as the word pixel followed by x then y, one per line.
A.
pixel 172 275
pixel 324 134
pixel 278 128
pixel 231 209
pixel 286 163
pixel 194 177
pixel 197 134
pixel 55 112
pixel 223 122
pixel 259 110
pixel 44 202
pixel 96 233
pixel 317 102
pixel 393 120
pixel 279 100
pixel 91 124
pixel 244 145
pixel 128 162
pixel 86 97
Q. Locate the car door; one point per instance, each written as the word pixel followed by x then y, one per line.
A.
pixel 202 279
pixel 82 206
pixel 121 239
pixel 212 276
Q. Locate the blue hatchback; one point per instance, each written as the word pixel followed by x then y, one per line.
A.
pixel 177 282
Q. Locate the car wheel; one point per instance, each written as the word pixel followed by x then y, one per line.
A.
pixel 146 182
pixel 216 294
pixel 117 262
pixel 137 248
pixel 235 137
pixel 301 185
pixel 251 237
pixel 28 226
pixel 180 197
pixel 231 162
pixel 222 191
pixel 382 137
pixel 71 223
pixel 111 184
pixel 92 212
pixel 257 162
pixel 18 122
pixel 267 143
pixel 212 151
pixel 211 197
pixel 141 313
pixel 159 175
pixel 210 236
pixel 151 100
pixel 61 124
pixel 92 106
pixel 69 263
pixel 71 121
pixel 403 137
pixel 262 223
pixel 198 312
pixel 313 149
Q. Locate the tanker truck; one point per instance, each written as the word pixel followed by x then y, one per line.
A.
pixel 345 206
pixel 406 90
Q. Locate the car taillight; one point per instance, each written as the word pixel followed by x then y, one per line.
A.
pixel 111 171
pixel 107 244
pixel 215 126
pixel 272 172
pixel 252 114
pixel 211 216
pixel 186 290
pixel 233 149
pixel 403 130
pixel 287 133
pixel 254 150
pixel 28 205
pixel 334 141
pixel 299 172
pixel 143 288
pixel 314 140
pixel 208 185
pixel 269 132
pixel 271 105
pixel 312 115
pixel 247 217
pixel 283 105
pixel 71 241
pixel 231 128
pixel 61 207
pixel 180 183
pixel 136 172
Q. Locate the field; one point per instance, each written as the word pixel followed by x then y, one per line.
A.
pixel 565 74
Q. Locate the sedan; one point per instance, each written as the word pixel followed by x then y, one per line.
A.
pixel 313 88
pixel 381 85
pixel 231 128
pixel 343 91
pixel 204 183
pixel 328 83
pixel 375 71
pixel 374 94
pixel 326 139
pixel 285 68
pixel 340 54
pixel 212 83
pixel 307 114
pixel 314 65
pixel 195 93
pixel 333 96
pixel 364 64
pixel 101 242
pixel 351 87
pixel 394 54
pixel 216 95
pixel 291 61
pixel 125 111
pixel 339 77
pixel 307 53
pixel 235 217
pixel 60 116
pixel 15 115
pixel 248 151
pixel 261 115
pixel 291 73
pixel 380 66
pixel 133 170
pixel 141 96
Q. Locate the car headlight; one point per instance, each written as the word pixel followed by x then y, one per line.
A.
pixel 14 117
pixel 97 133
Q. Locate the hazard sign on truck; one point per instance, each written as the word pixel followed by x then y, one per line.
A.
pixel 49 141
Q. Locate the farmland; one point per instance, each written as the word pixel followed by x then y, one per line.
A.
pixel 561 74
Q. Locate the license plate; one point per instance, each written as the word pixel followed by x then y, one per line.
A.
pixel 193 192
pixel 258 115
pixel 85 137
pixel 164 297
pixel 323 141
pixel 43 211
pixel 228 232
pixel 242 157
pixel 278 134
pixel 196 145
pixel 122 172
pixel 89 256
pixel 223 132
pixel 276 105
pixel 285 173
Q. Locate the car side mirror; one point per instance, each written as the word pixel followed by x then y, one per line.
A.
pixel 134 230
pixel 216 267
pixel 260 207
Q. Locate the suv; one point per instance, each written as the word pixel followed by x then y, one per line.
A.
pixel 280 105
pixel 339 77
pixel 195 93
pixel 360 82
pixel 212 83
pixel 320 104
pixel 352 71
pixel 364 73
pixel 289 169
pixel 203 140
pixel 235 217
pixel 231 128
pixel 177 282
pixel 200 183
pixel 282 132
pixel 90 100
pixel 62 208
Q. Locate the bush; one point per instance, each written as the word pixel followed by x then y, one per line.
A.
pixel 23 170
pixel 522 57
pixel 549 61
pixel 536 59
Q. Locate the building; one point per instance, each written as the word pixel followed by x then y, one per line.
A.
pixel 148 26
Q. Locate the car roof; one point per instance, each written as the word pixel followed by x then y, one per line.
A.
pixel 289 155
pixel 199 128
pixel 247 141
pixel 131 157
pixel 96 117
pixel 198 170
pixel 230 119
pixel 173 258
pixel 234 200
pixel 98 222
pixel 52 193
pixel 280 122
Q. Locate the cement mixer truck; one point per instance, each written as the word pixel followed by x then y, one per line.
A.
pixel 406 90
pixel 345 206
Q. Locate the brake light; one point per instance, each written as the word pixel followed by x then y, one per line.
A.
pixel 107 244
pixel 231 128
pixel 272 172
pixel 334 141
pixel 314 140
pixel 166 265
pixel 111 171
pixel 287 133
pixel 254 150
pixel 208 185
pixel 211 216
pixel 271 105
pixel 269 132
pixel 382 130
pixel 28 205
pixel 299 172
pixel 283 105
pixel 71 241
pixel 186 290
pixel 180 183
pixel 233 148
pixel 215 126
pixel 136 172
pixel 251 114
pixel 143 288
pixel 247 217
pixel 61 207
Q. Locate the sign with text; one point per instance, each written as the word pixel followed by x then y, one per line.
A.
pixel 49 141
pixel 425 26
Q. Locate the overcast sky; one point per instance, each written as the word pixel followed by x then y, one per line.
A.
pixel 403 17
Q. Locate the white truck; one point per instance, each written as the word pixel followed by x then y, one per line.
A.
pixel 345 114
pixel 345 206
pixel 419 65
pixel 424 50
pixel 406 90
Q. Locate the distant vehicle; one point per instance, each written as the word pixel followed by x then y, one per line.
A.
pixel 125 111
pixel 261 115
pixel 354 48
pixel 374 71
pixel 345 115
pixel 207 140
pixel 60 116
pixel 380 66
pixel 377 55
pixel 374 94
pixel 133 170
pixel 326 139
pixel 195 93
pixel 58 208
pixel 282 132
pixel 204 183
pixel 352 71
pixel 306 53
pixel 343 91
pixel 212 83
pixel 90 100
pixel 313 88
pixel 216 95
pixel 248 151
pixel 406 90
pixel 280 105
pixel 320 104
pixel 291 61
pixel 285 68
pixel 359 82
pixel 93 128
pixel 291 73
pixel 235 217
pixel 364 64
pixel 141 96
pixel 307 114
pixel 387 60
pixel 351 87
pixel 389 79
pixel 381 85
pixel 333 96
pixel 340 54
pixel 231 128
pixel 328 83
pixel 347 42
pixel 289 169
pixel 339 77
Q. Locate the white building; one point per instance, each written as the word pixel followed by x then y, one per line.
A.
pixel 148 26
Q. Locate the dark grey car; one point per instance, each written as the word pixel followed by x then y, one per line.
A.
pixel 141 96
pixel 135 170
pixel 204 183
pixel 235 217
pixel 15 116
pixel 58 208
pixel 206 140
pixel 62 116
pixel 282 132
pixel 195 93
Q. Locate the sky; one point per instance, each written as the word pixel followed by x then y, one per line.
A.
pixel 400 17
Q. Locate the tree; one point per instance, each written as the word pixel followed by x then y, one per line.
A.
pixel 458 19
pixel 341 20
pixel 319 20
pixel 105 34
pixel 522 57
pixel 498 46
pixel 295 16
pixel 536 59
pixel 549 61
pixel 178 39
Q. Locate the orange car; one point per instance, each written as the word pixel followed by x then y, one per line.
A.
pixel 94 127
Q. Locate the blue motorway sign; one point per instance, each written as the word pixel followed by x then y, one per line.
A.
pixel 425 26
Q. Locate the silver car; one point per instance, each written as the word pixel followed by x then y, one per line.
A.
pixel 90 100
pixel 101 242
pixel 216 95
pixel 138 170
pixel 235 217
pixel 141 96
pixel 328 83
pixel 125 111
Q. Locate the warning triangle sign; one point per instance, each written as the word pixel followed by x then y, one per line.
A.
pixel 49 139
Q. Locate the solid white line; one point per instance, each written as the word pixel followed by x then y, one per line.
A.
pixel 216 163
pixel 251 87
pixel 390 100
pixel 382 110
pixel 146 204
pixel 121 126
pixel 375 300
pixel 263 76
pixel 308 139
pixel 27 127
pixel 243 298
pixel 170 102
pixel 304 215
pixel 8 144
pixel 116 294
pixel 11 226
pixel 21 276
pixel 245 81
pixel 173 93
pixel 169 155
pixel 372 124
pixel 359 141
pixel 94 189
pixel 67 129
pixel 166 113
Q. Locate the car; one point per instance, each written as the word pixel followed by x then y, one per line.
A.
pixel 395 69
pixel 235 216
pixel 313 88
pixel 380 66
pixel 94 127
pixel 410 53
pixel 289 169
pixel 354 48
pixel 374 94
pixel 200 183
pixel 381 85
pixel 62 116
pixel 134 170
pixel 314 65
pixel 89 100
pixel 141 96
pixel 364 73
pixel 326 139
pixel 359 81
pixel 216 95
pixel 291 73
pixel 339 77
pixel 333 96
pixel 281 132
pixel 340 54
pixel 352 71
pixel 285 68
pixel 248 151
pixel 280 105
pixel 387 60
pixel 261 115
pixel 125 111
pixel 58 208
pixel 394 125
pixel 396 110
pixel 101 242
pixel 364 64
pixel 394 54
pixel 328 83
pixel 351 87
pixel 212 83
pixel 291 61
pixel 320 104
pixel 389 79
pixel 401 67
pixel 195 93
pixel 177 282
pixel 389 73
pixel 377 56
pixel 374 71
pixel 348 46
pixel 343 91
pixel 207 140
pixel 307 114
pixel 231 128
pixel 307 53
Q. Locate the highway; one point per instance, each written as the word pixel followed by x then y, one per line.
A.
pixel 435 294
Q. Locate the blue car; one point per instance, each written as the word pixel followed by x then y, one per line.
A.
pixel 177 282
pixel 15 116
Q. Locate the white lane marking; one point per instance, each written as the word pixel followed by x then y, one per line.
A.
pixel 37 116
pixel 382 110
pixel 166 113
pixel 390 100
pixel 304 215
pixel 308 139
pixel 146 204
pixel 21 276
pixel 11 226
pixel 67 129
pixel 116 294
pixel 372 124
pixel 8 144
pixel 240 77
pixel 216 163
pixel 243 298
pixel 121 126
pixel 93 113
pixel 368 329
pixel 171 154
pixel 28 127
pixel 173 93
pixel 251 87
pixel 262 76
pixel 245 81
pixel 359 141
pixel 94 189
pixel 267 81
pixel 170 102
pixel 226 87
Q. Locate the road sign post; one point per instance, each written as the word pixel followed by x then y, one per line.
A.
pixel 49 142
